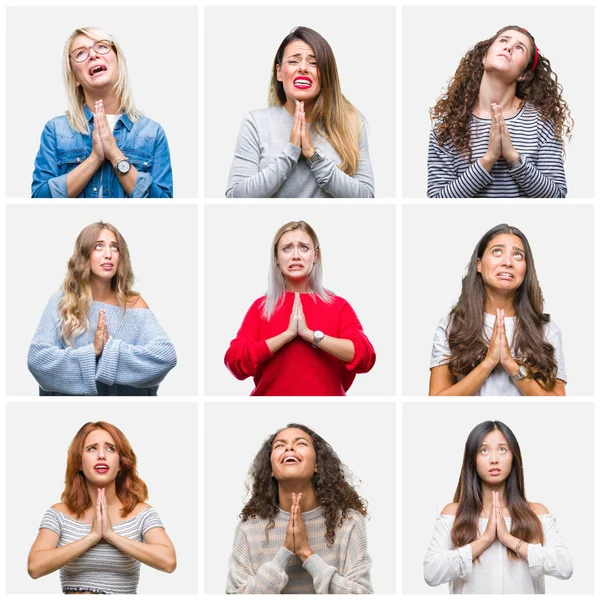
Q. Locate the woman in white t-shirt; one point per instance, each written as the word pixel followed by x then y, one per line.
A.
pixel 497 340
pixel 491 540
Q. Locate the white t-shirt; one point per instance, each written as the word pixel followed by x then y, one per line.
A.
pixel 499 382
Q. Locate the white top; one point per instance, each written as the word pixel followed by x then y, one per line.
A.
pixel 493 572
pixel 499 382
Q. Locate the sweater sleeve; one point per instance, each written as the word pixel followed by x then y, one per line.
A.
pixel 340 185
pixel 55 367
pixel 553 558
pixel 246 178
pixel 270 578
pixel 443 562
pixel 442 179
pixel 142 365
pixel 356 578
pixel 546 177
pixel 351 329
pixel 47 182
pixel 247 352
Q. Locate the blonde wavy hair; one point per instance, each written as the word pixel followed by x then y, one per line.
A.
pixel 74 306
pixel 332 117
pixel 75 95
pixel 277 287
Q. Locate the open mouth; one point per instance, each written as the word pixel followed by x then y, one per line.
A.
pixel 101 468
pixel 303 83
pixel 96 70
pixel 290 460
pixel 505 275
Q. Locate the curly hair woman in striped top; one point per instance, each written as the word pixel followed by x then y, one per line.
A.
pixel 500 125
pixel 103 528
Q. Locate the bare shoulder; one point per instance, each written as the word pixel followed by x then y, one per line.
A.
pixel 450 509
pixel 538 509
pixel 137 302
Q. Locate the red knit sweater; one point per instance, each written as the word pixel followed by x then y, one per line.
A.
pixel 298 369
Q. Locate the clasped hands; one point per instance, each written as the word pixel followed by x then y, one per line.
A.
pixel 101 335
pixel 101 525
pixel 499 143
pixel 104 145
pixel 296 537
pixel 297 325
pixel 498 349
pixel 300 135
pixel 496 527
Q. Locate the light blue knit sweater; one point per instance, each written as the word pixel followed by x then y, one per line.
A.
pixel 138 353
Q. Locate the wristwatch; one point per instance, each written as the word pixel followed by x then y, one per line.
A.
pixel 315 158
pixel 515 165
pixel 122 167
pixel 317 337
pixel 520 374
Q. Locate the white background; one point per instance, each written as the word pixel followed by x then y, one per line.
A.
pixel 556 441
pixel 37 461
pixel 435 257
pixel 162 242
pixel 163 72
pixel 240 45
pixel 358 253
pixel 369 452
pixel 432 50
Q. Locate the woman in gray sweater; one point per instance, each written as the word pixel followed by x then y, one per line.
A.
pixel 311 142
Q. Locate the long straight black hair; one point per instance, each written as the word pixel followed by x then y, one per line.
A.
pixel 469 496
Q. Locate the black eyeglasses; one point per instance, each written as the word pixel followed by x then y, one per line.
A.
pixel 100 47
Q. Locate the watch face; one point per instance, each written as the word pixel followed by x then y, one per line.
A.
pixel 319 335
pixel 123 166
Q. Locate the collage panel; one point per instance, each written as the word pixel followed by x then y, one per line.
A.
pixel 100 316
pixel 344 542
pixel 482 264
pixel 64 529
pixel 303 103
pixel 501 92
pixel 121 135
pixel 464 480
pixel 310 295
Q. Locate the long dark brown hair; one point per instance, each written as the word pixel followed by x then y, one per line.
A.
pixel 468 347
pixel 540 87
pixel 332 488
pixel 332 116
pixel 525 525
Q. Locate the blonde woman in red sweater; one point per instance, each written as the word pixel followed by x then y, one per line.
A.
pixel 299 339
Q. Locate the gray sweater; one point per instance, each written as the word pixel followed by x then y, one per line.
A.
pixel 267 165
pixel 261 566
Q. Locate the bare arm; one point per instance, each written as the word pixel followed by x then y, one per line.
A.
pixel 443 383
pixel 157 551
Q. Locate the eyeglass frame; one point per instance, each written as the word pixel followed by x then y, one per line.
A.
pixel 88 48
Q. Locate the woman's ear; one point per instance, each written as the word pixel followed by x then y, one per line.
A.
pixel 279 77
pixel 479 265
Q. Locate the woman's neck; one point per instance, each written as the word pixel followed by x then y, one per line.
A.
pixel 102 291
pixel 110 490
pixel 496 91
pixel 110 101
pixel 300 287
pixel 503 302
pixel 309 498
pixel 290 106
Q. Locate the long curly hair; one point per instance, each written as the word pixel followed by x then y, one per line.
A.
pixel 77 299
pixel 335 494
pixel 130 488
pixel 525 524
pixel 333 116
pixel 468 347
pixel 540 88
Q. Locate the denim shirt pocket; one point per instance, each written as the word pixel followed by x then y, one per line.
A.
pixel 141 160
pixel 69 159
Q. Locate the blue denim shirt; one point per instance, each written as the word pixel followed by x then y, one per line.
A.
pixel 62 149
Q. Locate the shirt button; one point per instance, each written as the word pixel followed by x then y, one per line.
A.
pixel 78 159
pixel 106 191
pixel 95 190
pixel 145 164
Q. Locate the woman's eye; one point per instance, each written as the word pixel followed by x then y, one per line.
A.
pixel 305 248
pixel 519 255
pixel 496 251
pixel 111 448
pixel 114 248
pixel 483 451
pixel 91 448
pixel 99 246
pixel 502 450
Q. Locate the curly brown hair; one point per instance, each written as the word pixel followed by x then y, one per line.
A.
pixel 540 88
pixel 335 493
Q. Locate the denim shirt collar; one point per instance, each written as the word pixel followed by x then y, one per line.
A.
pixel 89 115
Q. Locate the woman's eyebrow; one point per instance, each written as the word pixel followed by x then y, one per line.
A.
pixel 299 55
pixel 293 440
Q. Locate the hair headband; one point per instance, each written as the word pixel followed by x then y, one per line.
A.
pixel 536 56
